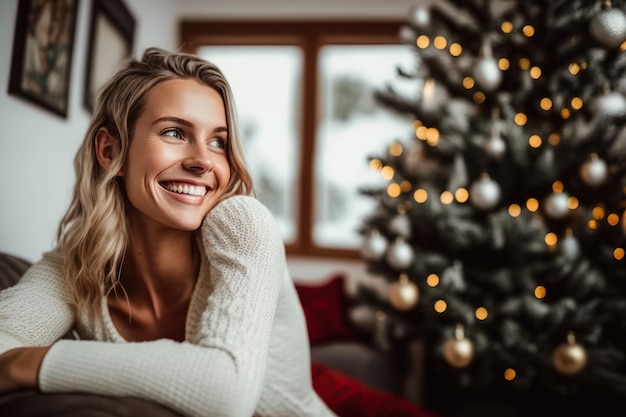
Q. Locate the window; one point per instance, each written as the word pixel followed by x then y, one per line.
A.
pixel 305 98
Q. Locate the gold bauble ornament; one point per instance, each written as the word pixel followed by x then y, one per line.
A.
pixel 570 357
pixel 403 294
pixel 458 351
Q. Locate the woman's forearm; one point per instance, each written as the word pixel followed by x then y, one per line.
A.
pixel 19 368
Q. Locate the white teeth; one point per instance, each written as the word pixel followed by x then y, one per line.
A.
pixel 186 189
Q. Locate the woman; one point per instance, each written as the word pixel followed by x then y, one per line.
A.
pixel 171 274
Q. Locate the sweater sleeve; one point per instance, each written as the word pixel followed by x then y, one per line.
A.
pixel 220 370
pixel 36 311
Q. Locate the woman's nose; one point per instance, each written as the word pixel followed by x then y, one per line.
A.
pixel 198 160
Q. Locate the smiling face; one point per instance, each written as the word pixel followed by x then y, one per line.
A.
pixel 177 166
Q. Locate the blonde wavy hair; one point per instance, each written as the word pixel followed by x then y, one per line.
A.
pixel 93 233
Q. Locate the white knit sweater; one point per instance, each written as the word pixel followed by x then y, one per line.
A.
pixel 246 349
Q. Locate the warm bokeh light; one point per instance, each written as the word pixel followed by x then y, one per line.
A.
pixel 421 132
pixel 540 291
pixel 420 195
pixel 557 186
pixel 432 136
pixel 393 190
pixel 461 195
pixel 515 210
pixel 535 73
pixel 612 219
pixel 395 149
pixel 506 27
pixel 376 164
pixel 592 224
pixel 572 203
pixel 545 104
pixel 576 103
pixel 565 113
pixel 422 41
pixel 532 204
pixel 481 313
pixel 521 119
pixel 432 280
pixel 440 42
pixel 479 97
pixel 387 172
pixel 456 49
pixel 440 306
pixel 535 141
pixel 574 69
pixel 468 83
pixel 554 139
pixel 504 64
pixel 446 197
pixel 510 374
pixel 598 212
pixel 405 186
pixel 618 253
pixel 528 30
pixel 524 63
pixel 550 239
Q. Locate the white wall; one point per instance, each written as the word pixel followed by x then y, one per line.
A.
pixel 37 147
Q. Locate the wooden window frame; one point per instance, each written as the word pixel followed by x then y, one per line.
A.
pixel 310 35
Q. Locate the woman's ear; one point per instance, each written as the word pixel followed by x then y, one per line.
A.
pixel 107 149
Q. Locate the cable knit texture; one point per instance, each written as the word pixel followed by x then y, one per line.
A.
pixel 246 350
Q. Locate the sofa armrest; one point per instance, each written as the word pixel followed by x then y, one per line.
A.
pixel 11 269
pixel 32 403
pixel 374 368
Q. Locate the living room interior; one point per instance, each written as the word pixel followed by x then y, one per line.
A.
pixel 292 63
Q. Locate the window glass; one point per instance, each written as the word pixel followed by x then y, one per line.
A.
pixel 267 84
pixel 352 126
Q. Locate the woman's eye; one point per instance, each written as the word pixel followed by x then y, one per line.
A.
pixel 218 143
pixel 173 133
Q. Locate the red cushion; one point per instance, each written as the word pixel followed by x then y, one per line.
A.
pixel 326 310
pixel 348 397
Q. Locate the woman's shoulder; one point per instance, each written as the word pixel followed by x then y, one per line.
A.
pixel 240 214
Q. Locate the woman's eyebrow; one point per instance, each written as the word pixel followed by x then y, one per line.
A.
pixel 173 119
pixel 186 123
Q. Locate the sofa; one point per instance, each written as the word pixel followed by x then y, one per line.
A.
pixel 350 375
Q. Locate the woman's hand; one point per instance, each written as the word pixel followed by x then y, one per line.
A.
pixel 19 368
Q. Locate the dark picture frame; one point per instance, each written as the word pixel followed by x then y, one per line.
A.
pixel 43 46
pixel 111 42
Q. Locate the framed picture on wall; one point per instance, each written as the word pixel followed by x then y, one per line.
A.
pixel 42 53
pixel 111 38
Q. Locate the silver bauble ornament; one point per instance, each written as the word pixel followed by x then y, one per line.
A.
pixel 495 146
pixel 407 35
pixel 420 16
pixel 556 206
pixel 611 105
pixel 570 357
pixel 459 350
pixel 403 294
pixel 401 224
pixel 569 246
pixel 608 27
pixel 487 74
pixel 374 246
pixel 594 171
pixel 400 254
pixel 485 193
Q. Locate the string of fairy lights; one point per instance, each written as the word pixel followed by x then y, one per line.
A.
pixel 608 28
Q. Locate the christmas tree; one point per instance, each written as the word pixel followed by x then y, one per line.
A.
pixel 502 229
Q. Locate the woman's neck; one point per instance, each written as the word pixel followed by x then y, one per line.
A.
pixel 159 272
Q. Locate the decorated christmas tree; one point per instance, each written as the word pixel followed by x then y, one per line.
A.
pixel 501 232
